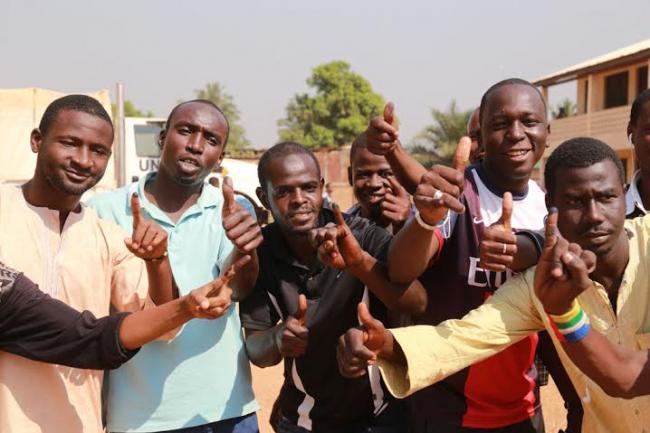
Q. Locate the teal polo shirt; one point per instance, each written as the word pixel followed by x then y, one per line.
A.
pixel 203 374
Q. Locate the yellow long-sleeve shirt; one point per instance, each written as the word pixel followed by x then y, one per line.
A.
pixel 435 352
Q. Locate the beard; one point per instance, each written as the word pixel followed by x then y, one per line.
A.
pixel 71 188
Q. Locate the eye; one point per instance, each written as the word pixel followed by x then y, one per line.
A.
pixel 310 188
pixel 531 122
pixel 99 150
pixel 183 130
pixel 385 173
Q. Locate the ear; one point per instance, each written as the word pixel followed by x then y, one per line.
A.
pixel 322 183
pixel 261 195
pixel 36 140
pixel 630 130
pixel 350 175
pixel 161 138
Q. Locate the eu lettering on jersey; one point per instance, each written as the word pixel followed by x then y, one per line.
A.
pixel 479 277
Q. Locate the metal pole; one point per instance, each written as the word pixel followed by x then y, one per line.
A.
pixel 120 157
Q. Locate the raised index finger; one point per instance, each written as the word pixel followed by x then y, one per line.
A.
pixel 398 189
pixel 338 217
pixel 135 209
pixel 550 230
pixel 461 156
pixel 234 268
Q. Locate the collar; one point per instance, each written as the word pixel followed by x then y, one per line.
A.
pixel 632 197
pixel 494 189
pixel 210 197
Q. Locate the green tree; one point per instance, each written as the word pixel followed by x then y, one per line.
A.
pixel 130 110
pixel 436 143
pixel 214 92
pixel 565 108
pixel 339 109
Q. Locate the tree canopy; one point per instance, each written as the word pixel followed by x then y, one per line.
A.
pixel 338 110
pixel 436 143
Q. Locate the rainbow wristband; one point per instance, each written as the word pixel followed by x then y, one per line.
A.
pixel 571 326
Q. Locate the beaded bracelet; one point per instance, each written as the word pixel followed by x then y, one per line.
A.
pixel 571 326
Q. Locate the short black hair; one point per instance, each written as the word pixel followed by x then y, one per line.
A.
pixel 507 82
pixel 282 150
pixel 200 101
pixel 83 103
pixel 358 144
pixel 638 104
pixel 579 152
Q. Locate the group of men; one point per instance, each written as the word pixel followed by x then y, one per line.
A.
pixel 423 253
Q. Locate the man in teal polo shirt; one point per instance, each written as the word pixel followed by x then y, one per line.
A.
pixel 200 379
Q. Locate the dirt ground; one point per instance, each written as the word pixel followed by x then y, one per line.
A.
pixel 267 381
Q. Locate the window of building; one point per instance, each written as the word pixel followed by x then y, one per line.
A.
pixel 616 89
pixel 641 79
pixel 586 101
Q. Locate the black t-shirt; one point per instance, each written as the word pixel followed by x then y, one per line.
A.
pixel 36 326
pixel 314 394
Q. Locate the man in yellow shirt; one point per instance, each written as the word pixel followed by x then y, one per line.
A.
pixel 75 257
pixel 584 179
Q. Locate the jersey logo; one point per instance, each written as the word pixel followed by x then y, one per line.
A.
pixel 477 220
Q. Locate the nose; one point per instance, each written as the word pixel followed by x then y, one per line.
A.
pixel 594 215
pixel 516 131
pixel 81 158
pixel 298 196
pixel 195 143
pixel 375 181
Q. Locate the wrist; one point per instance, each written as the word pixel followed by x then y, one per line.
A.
pixel 572 325
pixel 156 259
pixel 422 222
pixel 362 266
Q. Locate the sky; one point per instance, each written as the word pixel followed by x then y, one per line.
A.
pixel 419 54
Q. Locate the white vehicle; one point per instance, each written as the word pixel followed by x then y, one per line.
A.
pixel 141 147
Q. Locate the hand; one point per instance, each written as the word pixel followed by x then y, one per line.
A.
pixel 360 346
pixel 446 180
pixel 337 247
pixel 396 206
pixel 240 226
pixel 148 240
pixel 563 270
pixel 213 299
pixel 383 132
pixel 499 244
pixel 292 336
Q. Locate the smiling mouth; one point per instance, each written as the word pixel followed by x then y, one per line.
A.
pixel 76 176
pixel 515 153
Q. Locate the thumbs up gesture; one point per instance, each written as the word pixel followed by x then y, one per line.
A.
pixel 336 245
pixel 240 226
pixel 148 240
pixel 499 244
pixel 383 132
pixel 212 300
pixel 563 270
pixel 292 336
pixel 360 346
pixel 440 188
pixel 396 205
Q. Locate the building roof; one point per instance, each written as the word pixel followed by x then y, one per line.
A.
pixel 615 58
